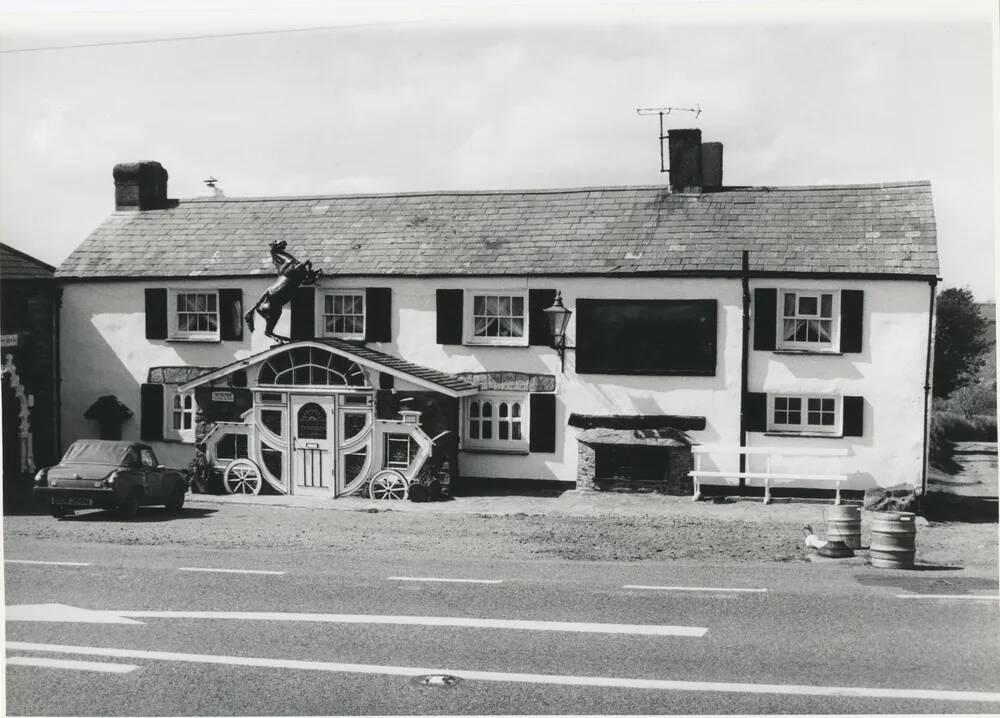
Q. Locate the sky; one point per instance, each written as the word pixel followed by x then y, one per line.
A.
pixel 336 99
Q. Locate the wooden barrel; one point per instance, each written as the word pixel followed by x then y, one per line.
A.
pixel 893 542
pixel 843 523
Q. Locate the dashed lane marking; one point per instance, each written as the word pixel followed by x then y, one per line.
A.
pixel 231 570
pixel 65 664
pixel 972 597
pixel 45 563
pixel 697 588
pixel 533 678
pixel 443 580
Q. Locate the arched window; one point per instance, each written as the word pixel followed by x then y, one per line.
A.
pixel 311 366
pixel 312 422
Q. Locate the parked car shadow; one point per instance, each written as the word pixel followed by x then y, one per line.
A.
pixel 145 514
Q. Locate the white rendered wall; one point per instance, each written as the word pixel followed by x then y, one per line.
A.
pixel 104 351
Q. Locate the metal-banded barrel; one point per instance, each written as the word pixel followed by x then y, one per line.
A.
pixel 843 523
pixel 893 542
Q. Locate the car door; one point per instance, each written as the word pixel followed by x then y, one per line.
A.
pixel 154 477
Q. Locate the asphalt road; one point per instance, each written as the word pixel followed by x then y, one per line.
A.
pixel 307 632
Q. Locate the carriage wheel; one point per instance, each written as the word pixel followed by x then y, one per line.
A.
pixel 388 484
pixel 242 477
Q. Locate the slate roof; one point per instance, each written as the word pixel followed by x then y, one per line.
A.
pixel 15 264
pixel 869 229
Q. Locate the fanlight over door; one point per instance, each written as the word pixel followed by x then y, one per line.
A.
pixel 311 366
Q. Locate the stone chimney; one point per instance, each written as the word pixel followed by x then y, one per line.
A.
pixel 140 186
pixel 694 165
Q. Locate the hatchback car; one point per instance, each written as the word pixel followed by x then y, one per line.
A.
pixel 121 475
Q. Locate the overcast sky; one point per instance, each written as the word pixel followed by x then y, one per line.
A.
pixel 422 99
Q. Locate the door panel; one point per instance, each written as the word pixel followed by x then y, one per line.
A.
pixel 313 423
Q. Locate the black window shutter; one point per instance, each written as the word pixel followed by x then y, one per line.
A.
pixel 852 311
pixel 538 325
pixel 854 416
pixel 151 423
pixel 449 316
pixel 765 319
pixel 756 409
pixel 378 314
pixel 231 314
pixel 542 415
pixel 156 314
pixel 303 308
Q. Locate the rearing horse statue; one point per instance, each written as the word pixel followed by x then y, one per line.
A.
pixel 292 274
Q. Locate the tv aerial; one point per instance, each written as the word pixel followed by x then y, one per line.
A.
pixel 662 111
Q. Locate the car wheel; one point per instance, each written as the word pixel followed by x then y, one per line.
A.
pixel 176 502
pixel 60 511
pixel 129 507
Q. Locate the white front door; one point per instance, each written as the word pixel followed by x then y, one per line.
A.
pixel 314 437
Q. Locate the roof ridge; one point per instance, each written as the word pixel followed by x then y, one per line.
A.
pixel 557 190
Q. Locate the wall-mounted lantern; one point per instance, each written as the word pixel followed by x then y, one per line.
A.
pixel 558 317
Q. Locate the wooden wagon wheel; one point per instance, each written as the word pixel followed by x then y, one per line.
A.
pixel 242 477
pixel 388 485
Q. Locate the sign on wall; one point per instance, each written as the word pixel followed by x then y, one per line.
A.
pixel 8 340
pixel 222 396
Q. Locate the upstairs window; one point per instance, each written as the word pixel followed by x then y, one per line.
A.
pixel 343 314
pixel 195 314
pixel 496 318
pixel 807 320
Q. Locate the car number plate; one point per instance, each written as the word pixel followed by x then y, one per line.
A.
pixel 72 500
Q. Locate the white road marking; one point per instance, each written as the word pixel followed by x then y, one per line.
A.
pixel 443 580
pixel 45 563
pixel 59 613
pixel 459 622
pixel 697 588
pixel 989 597
pixel 535 678
pixel 54 612
pixel 231 570
pixel 71 665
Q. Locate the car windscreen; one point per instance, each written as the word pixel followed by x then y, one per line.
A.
pixel 95 452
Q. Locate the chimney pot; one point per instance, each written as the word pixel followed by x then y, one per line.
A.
pixel 140 186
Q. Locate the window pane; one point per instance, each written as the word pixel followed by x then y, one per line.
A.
pixel 808 306
pixel 328 304
pixel 828 419
pixel 479 305
pixel 826 305
pixel 491 306
pixel 813 404
pixel 480 328
pixel 503 327
pixel 825 330
pixel 502 410
pixel 474 429
pixel 177 421
pixel 515 431
pixel 503 306
pixel 795 403
pixel 517 327
pixel 187 421
pixel 827 404
pixel 780 403
pixel 813 417
pixel 502 430
pixel 474 409
pixel 517 306
pixel 211 302
pixel 487 430
pixel 487 409
pixel 794 417
pixel 790 304
pixel 515 409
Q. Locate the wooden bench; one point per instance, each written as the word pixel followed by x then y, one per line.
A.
pixel 767 475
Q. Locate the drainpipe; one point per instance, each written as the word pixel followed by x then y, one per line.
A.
pixel 928 385
pixel 744 366
pixel 57 374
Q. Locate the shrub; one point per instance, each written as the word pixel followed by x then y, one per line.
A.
pixel 955 427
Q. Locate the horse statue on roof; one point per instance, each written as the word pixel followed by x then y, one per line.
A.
pixel 292 274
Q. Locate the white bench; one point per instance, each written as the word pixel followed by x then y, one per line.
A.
pixel 767 475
